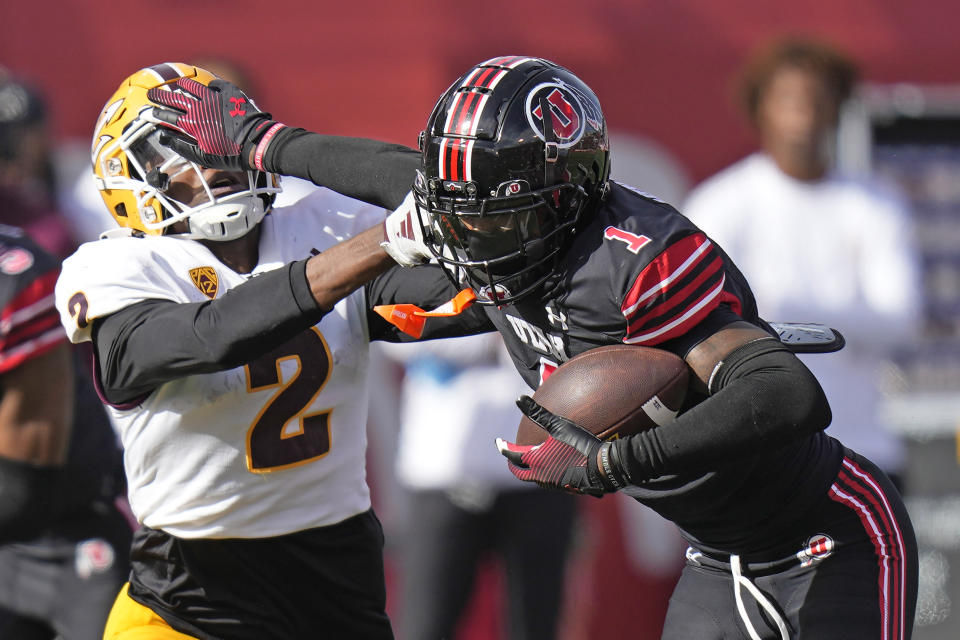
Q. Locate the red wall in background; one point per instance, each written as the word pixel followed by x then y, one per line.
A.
pixel 661 68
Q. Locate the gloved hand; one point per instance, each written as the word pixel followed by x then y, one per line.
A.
pixel 567 459
pixel 403 235
pixel 224 126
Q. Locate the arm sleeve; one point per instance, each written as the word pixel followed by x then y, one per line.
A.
pixel 371 171
pixel 155 341
pixel 427 287
pixel 762 397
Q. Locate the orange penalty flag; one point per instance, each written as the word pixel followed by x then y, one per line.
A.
pixel 410 318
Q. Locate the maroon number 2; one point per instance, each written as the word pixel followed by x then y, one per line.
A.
pixel 270 446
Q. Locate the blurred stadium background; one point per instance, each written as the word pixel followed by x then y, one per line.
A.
pixel 664 72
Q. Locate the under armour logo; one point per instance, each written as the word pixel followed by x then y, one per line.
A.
pixel 237 111
pixel 556 318
pixel 406 228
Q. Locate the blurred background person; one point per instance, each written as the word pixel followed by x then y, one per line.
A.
pixel 28 182
pixel 63 538
pixel 817 245
pixel 464 509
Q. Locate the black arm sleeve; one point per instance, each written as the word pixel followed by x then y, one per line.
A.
pixel 762 397
pixel 155 341
pixel 427 287
pixel 32 498
pixel 371 171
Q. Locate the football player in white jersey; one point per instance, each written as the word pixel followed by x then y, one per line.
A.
pixel 231 347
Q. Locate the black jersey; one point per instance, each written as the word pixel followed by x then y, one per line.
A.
pixel 30 327
pixel 639 272
pixel 28 274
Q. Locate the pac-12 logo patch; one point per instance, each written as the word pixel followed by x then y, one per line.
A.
pixel 206 280
pixel 566 113
pixel 817 548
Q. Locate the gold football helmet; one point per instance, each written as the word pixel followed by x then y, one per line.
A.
pixel 132 169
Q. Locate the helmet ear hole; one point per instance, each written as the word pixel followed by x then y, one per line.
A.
pixel 120 210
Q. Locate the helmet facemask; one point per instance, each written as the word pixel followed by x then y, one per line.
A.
pixel 503 246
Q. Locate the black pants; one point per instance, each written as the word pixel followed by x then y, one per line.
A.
pixel 320 583
pixel 65 582
pixel 849 572
pixel 529 530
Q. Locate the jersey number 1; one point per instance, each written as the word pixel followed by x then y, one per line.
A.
pixel 633 241
pixel 271 445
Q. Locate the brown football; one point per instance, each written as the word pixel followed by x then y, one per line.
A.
pixel 612 391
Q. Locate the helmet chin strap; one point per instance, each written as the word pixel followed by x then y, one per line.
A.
pixel 551 151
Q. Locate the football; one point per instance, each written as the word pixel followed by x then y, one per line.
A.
pixel 612 391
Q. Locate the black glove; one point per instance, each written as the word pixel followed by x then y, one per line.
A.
pixel 223 124
pixel 567 459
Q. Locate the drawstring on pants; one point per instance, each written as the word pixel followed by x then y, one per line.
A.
pixel 740 580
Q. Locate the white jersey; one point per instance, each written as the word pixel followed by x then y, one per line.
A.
pixel 266 449
pixel 838 251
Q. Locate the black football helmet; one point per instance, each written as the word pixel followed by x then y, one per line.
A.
pixel 513 154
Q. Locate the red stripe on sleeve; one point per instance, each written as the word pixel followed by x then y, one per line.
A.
pixel 24 332
pixel 669 302
pixel 37 290
pixel 672 264
pixel 674 292
pixel 679 324
pixel 30 324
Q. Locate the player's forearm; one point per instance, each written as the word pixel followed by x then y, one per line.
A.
pixel 368 170
pixel 345 267
pixel 201 337
pixel 761 401
pixel 231 330
pixel 36 408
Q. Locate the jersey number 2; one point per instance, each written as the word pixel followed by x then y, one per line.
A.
pixel 271 444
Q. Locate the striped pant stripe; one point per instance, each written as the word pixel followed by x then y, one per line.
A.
pixel 857 489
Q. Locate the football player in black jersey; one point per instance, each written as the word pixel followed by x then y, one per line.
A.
pixel 791 534
pixel 63 539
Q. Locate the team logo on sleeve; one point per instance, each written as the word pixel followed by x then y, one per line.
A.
pixel 14 261
pixel 206 280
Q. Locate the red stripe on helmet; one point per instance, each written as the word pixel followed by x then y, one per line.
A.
pixel 484 78
pixel 455 160
pixel 465 113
